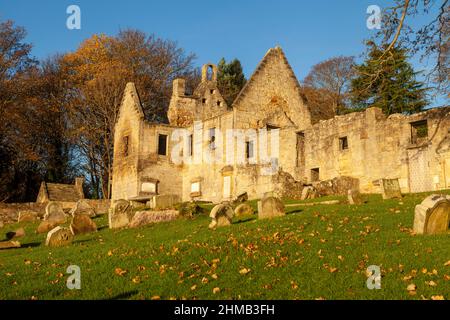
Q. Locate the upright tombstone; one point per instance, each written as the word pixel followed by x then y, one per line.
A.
pixel 83 207
pixel 271 207
pixel 59 237
pixel 221 215
pixel 390 188
pixel 82 223
pixel 432 216
pixel 354 197
pixel 308 192
pixel 120 214
pixel 54 212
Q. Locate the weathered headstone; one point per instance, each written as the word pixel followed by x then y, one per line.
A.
pixel 82 223
pixel 243 209
pixel 271 207
pixel 167 201
pixel 432 216
pixel 46 226
pixel 27 216
pixel 16 234
pixel 221 215
pixel 9 244
pixel 59 237
pixel 120 214
pixel 83 207
pixel 54 212
pixel 308 192
pixel 390 188
pixel 142 218
pixel 354 197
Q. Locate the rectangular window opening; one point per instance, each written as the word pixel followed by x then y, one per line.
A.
pixel 125 146
pixel 343 143
pixel 315 174
pixel 419 131
pixel 162 144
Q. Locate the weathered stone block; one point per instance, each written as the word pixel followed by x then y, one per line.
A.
pixel 243 210
pixel 120 214
pixel 46 226
pixel 390 188
pixel 83 207
pixel 82 223
pixel 143 218
pixel 354 197
pixel 9 244
pixel 271 207
pixel 168 201
pixel 54 212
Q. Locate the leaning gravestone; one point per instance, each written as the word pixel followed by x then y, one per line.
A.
pixel 432 216
pixel 59 237
pixel 390 188
pixel 271 207
pixel 354 197
pixel 221 216
pixel 83 207
pixel 243 209
pixel 54 213
pixel 120 214
pixel 27 216
pixel 82 223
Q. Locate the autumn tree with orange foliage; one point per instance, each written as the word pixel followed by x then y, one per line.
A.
pixel 97 73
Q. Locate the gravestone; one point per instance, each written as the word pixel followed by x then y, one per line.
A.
pixel 81 224
pixel 59 237
pixel 27 216
pixel 83 207
pixel 46 226
pixel 354 197
pixel 390 188
pixel 308 192
pixel 167 201
pixel 143 218
pixel 54 212
pixel 243 209
pixel 9 244
pixel 120 214
pixel 432 216
pixel 221 215
pixel 271 207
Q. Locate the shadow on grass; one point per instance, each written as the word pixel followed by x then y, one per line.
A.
pixel 295 211
pixel 245 220
pixel 123 296
pixel 102 227
pixel 31 245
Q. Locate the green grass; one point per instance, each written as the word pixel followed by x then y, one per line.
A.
pixel 289 258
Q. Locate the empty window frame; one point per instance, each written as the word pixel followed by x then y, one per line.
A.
pixel 249 149
pixel 343 143
pixel 419 131
pixel 162 144
pixel 212 138
pixel 315 174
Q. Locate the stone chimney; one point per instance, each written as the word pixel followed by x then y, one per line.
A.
pixel 79 186
pixel 179 88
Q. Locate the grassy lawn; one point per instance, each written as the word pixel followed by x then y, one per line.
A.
pixel 314 252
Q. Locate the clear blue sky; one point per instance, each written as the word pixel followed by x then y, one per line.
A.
pixel 308 31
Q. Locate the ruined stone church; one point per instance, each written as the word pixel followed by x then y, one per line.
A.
pixel 314 145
